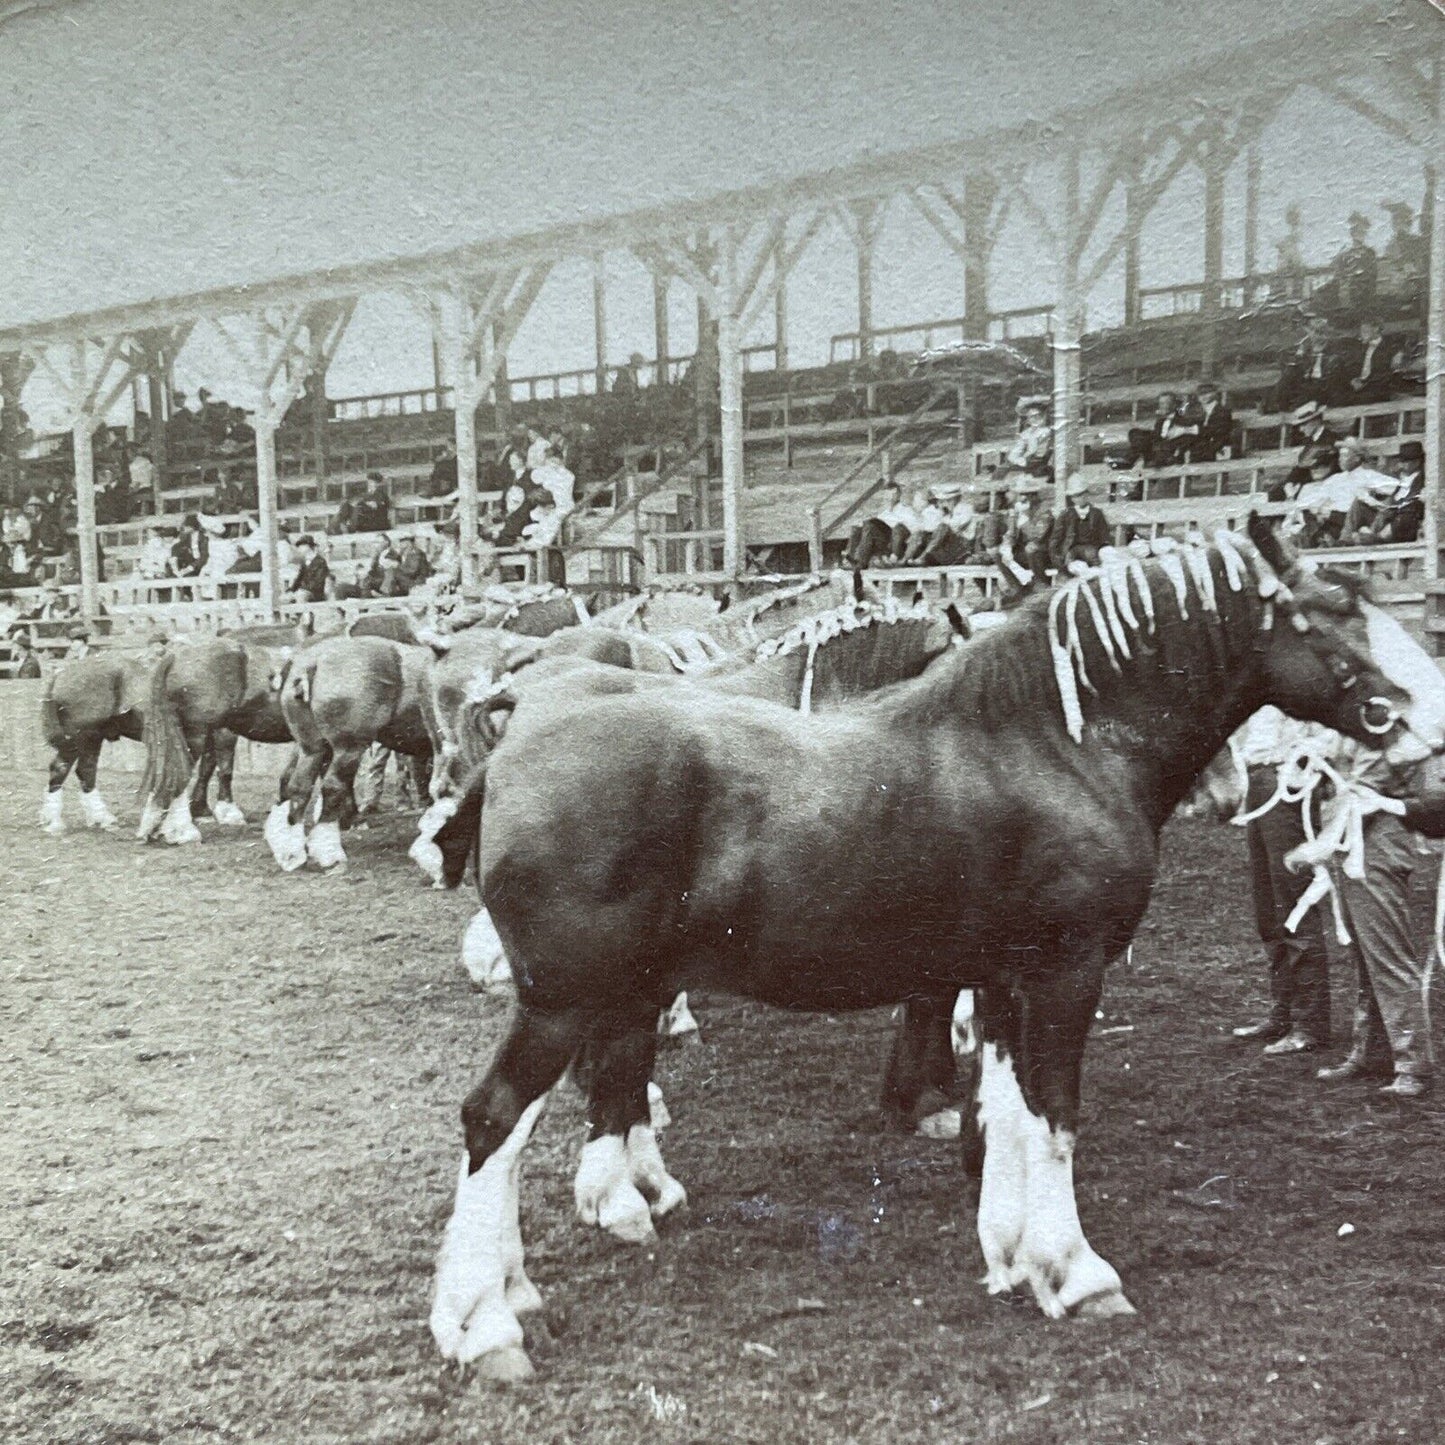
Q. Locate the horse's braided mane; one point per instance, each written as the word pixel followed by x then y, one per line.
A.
pixel 822 627
pixel 1175 613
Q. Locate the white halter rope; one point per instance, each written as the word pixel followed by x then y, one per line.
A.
pixel 1342 837
pixel 754 610
pixel 1116 580
pixel 813 632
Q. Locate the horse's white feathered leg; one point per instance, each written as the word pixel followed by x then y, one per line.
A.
pixel 179 827
pixel 606 1195
pixel 52 812
pixel 286 840
pixel 324 848
pixel 228 815
pixel 151 817
pixel 483 956
pixel 97 815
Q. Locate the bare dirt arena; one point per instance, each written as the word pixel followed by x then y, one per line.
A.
pixel 230 1144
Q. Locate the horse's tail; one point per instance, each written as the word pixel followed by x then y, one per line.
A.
pixel 297 689
pixel 52 717
pixel 168 755
pixel 459 834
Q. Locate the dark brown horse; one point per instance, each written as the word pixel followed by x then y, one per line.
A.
pixel 86 704
pixel 203 695
pixel 992 825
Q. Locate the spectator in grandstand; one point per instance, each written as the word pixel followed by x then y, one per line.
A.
pixel 1371 490
pixel 230 493
pixel 540 535
pixel 181 426
pixel 47 532
pixel 215 419
pixel 1310 372
pixel 628 381
pixel 1214 439
pixel 309 583
pixel 554 476
pixel 1315 439
pixel 537 445
pixel 1403 266
pixel 27 665
pixel 373 511
pixel 908 520
pixel 222 552
pixel 873 537
pixel 14 526
pixel 1355 270
pixel 190 549
pixel 1081 529
pixel 155 552
pixel 929 516
pixel 959 539
pixel 384 560
pixel 78 636
pixel 240 435
pixel 1401 517
pixel 443 479
pixel 1033 452
pixel 248 548
pixel 1023 555
pixel 413 565
pixel 112 497
pixel 1338 506
pixel 1367 370
pixel 343 519
pixel 142 474
pixel 518 502
pixel 1289 279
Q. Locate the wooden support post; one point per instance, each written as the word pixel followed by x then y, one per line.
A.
pixel 156 442
pixel 82 438
pixel 1133 224
pixel 660 340
pixel 438 389
pixel 979 193
pixel 730 394
pixel 780 300
pixel 704 364
pixel 272 583
pixel 1435 352
pixel 1252 170
pixel 501 387
pixel 864 234
pixel 11 385
pixel 316 390
pixel 1068 334
pixel 599 321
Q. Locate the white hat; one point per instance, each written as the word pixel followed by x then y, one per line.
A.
pixel 1307 411
pixel 1077 486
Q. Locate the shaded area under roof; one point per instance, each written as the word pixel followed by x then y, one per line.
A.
pixel 151 149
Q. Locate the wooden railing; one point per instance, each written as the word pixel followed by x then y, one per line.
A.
pixel 1234 293
pixel 915 336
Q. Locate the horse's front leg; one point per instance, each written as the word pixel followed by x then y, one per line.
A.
pixel 87 768
pixel 285 830
pixel 1028 1110
pixel 918 1085
pixel 51 810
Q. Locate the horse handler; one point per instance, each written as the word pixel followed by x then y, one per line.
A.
pixel 1299 970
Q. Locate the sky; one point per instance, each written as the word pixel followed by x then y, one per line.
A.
pixel 151 149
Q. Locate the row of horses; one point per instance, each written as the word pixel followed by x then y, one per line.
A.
pixel 973 836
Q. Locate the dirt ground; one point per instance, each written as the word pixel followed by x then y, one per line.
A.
pixel 230 1138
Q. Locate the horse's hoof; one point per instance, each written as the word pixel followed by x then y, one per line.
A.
pixel 324 848
pixel 50 813
pixel 1110 1305
pixel 506 1366
pixel 228 815
pixel 183 835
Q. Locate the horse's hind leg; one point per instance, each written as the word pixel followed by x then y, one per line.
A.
pixel 323 847
pixel 918 1085
pixel 481 1281
pixel 199 791
pixel 87 765
pixel 51 810
pixel 179 825
pixel 285 830
pixel 227 814
pixel 622 1184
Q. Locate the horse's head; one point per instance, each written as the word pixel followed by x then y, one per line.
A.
pixel 1333 656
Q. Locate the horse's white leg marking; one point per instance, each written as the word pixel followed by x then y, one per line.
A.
pixel 424 851
pixel 97 815
pixel 323 847
pixel 51 811
pixel 472 1317
pixel 1415 673
pixel 1001 1198
pixel 657 1107
pixel 1028 1221
pixel 150 819
pixel 286 840
pixel 178 827
pixel 483 956
pixel 606 1195
pixel 948 1123
pixel 228 815
pixel 678 1020
pixel 1055 1258
pixel 649 1173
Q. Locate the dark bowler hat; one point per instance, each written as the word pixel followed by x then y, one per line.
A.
pixel 305 540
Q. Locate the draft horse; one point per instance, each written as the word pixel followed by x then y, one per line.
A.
pixel 992 825
pixel 86 704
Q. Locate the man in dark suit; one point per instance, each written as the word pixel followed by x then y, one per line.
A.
pixel 309 584
pixel 1316 441
pixel 1311 371
pixel 1079 531
pixel 1367 368
pixel 1215 441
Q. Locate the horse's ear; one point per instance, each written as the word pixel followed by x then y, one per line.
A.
pixel 725 601
pixel 1272 547
pixel 958 621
